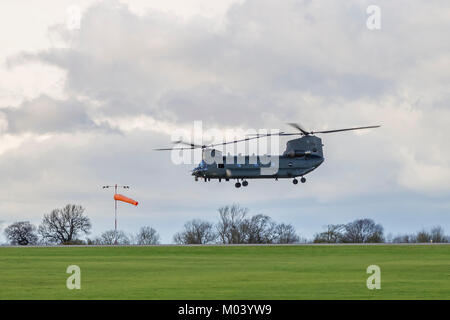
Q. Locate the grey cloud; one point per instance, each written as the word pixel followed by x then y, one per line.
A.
pixel 47 115
pixel 215 105
pixel 323 83
pixel 144 64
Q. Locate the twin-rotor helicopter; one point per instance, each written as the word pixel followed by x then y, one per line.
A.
pixel 302 155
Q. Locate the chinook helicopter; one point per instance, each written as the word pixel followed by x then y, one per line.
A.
pixel 302 155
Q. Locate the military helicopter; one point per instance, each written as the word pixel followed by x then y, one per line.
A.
pixel 302 155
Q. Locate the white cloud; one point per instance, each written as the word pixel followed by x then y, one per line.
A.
pixel 420 175
pixel 28 81
pixel 46 115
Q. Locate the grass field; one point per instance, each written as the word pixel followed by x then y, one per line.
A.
pixel 234 272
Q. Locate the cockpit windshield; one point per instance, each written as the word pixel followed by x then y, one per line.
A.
pixel 201 165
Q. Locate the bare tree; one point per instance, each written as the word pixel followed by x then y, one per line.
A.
pixel 363 231
pixel 437 235
pixel 259 229
pixel 235 227
pixel 147 235
pixel 423 236
pixel 333 234
pixel 64 225
pixel 196 232
pixel 404 238
pixel 22 233
pixel 112 237
pixel 232 226
pixel 285 233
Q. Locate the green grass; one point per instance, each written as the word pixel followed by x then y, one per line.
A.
pixel 237 272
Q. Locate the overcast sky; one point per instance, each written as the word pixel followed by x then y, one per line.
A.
pixel 82 107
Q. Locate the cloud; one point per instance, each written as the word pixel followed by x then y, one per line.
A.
pixel 145 64
pixel 46 115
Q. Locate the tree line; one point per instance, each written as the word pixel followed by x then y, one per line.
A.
pixel 66 225
pixel 234 226
pixel 367 231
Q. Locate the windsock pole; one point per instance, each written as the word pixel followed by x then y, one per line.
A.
pixel 115 215
pixel 115 207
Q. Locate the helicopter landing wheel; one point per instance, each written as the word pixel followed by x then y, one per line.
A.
pixel 303 179
pixel 295 181
pixel 245 183
pixel 237 185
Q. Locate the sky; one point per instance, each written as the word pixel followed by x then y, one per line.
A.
pixel 89 88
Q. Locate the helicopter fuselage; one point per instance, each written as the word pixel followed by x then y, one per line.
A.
pixel 256 167
pixel 301 156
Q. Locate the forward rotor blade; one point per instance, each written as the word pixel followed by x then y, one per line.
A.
pixel 170 149
pixel 193 145
pixel 229 142
pixel 346 129
pixel 260 135
pixel 196 146
pixel 299 128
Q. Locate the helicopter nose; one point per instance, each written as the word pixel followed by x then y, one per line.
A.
pixel 197 172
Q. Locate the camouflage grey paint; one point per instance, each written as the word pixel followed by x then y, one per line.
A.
pixel 301 156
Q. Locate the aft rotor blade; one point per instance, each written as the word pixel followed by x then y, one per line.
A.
pixel 299 128
pixel 257 135
pixel 346 129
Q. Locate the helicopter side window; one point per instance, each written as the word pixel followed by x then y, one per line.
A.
pixel 220 165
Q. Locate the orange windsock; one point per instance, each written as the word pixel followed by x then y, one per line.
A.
pixel 125 199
